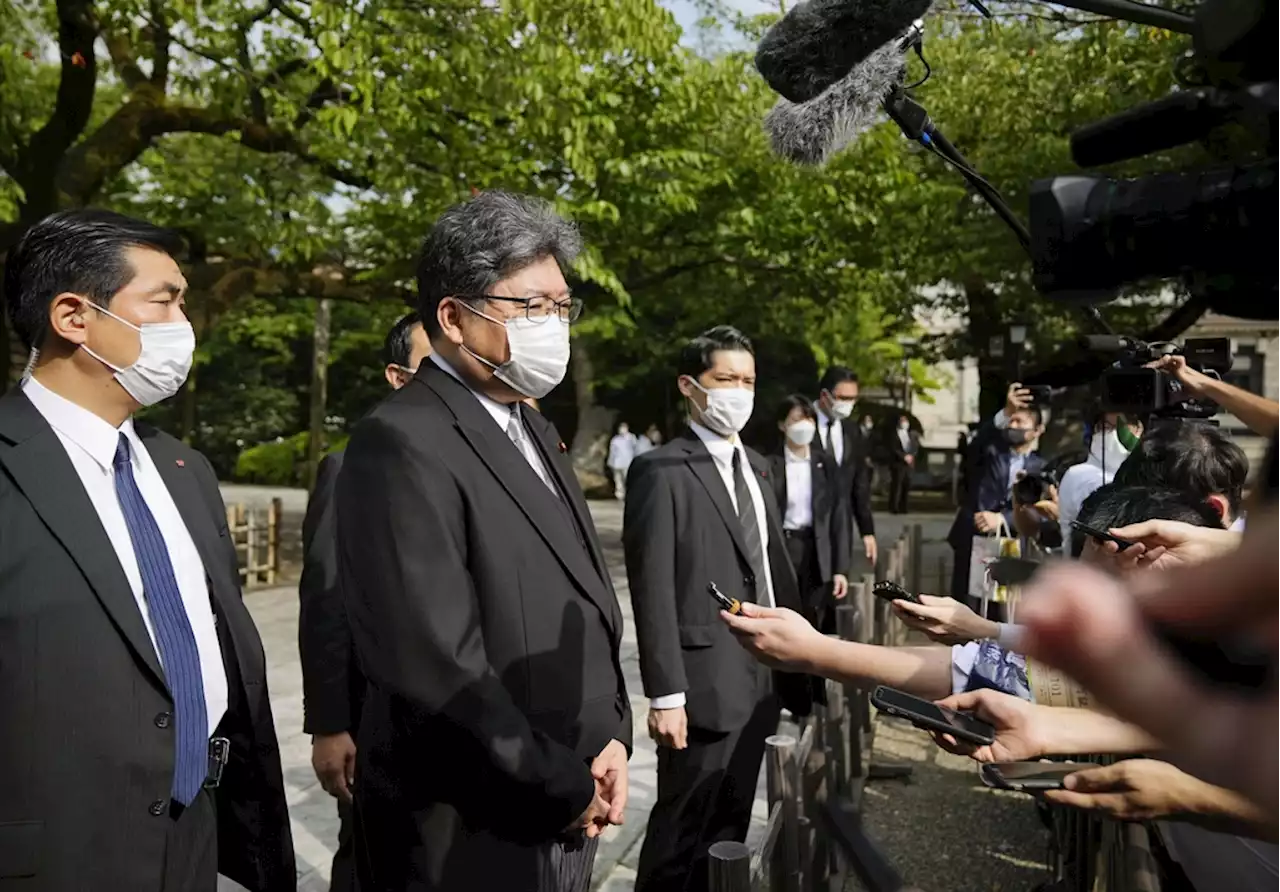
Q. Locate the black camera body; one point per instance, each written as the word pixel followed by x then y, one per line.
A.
pixel 1213 229
pixel 1128 387
pixel 1031 488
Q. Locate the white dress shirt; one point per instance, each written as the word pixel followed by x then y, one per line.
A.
pixel 799 513
pixel 831 432
pixel 722 451
pixel 91 445
pixel 506 416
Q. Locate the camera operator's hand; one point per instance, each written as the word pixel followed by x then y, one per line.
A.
pixel 1178 543
pixel 1016 722
pixel 1016 398
pixel 1195 383
pixel 945 620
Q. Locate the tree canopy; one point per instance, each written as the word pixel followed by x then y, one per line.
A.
pixel 303 148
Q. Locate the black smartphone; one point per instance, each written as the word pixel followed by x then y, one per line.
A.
pixel 1100 535
pixel 1029 777
pixel 932 717
pixel 891 591
pixel 726 603
pixel 1040 394
pixel 1012 570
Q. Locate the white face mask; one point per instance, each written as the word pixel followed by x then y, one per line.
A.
pixel 163 363
pixel 841 409
pixel 539 353
pixel 728 408
pixel 1106 449
pixel 801 433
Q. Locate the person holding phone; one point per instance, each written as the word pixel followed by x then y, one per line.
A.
pixel 814 520
pixel 1002 450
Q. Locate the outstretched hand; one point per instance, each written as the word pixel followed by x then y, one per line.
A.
pixel 776 636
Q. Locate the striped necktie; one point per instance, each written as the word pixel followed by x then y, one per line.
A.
pixel 175 640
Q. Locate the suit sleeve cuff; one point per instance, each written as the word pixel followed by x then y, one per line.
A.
pixel 667 701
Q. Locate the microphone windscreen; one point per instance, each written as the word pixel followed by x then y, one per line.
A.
pixel 812 132
pixel 818 41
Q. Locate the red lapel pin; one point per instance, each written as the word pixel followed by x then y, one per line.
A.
pixel 180 463
pixel 563 448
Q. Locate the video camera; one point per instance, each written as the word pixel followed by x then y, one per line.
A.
pixel 1216 229
pixel 1130 388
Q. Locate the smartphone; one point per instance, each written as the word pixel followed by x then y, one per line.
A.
pixel 1029 777
pixel 891 591
pixel 932 717
pixel 1100 535
pixel 1040 394
pixel 1012 570
pixel 726 603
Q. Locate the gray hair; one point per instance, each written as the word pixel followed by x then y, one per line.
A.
pixel 481 241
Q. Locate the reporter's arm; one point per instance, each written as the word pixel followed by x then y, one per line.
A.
pixel 921 671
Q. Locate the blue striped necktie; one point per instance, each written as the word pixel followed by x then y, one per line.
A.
pixel 174 638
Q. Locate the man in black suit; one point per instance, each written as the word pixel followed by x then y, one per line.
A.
pixel 697 513
pixel 134 719
pixel 904 446
pixel 494 742
pixel 332 683
pixel 845 441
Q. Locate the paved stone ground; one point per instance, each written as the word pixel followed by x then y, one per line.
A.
pixel 314 819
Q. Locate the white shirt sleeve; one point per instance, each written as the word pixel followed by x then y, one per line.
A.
pixel 667 701
pixel 963 658
pixel 1009 636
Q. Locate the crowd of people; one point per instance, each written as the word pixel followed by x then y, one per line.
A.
pixel 460 635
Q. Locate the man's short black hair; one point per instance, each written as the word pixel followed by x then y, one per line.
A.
pixel 797 401
pixel 836 374
pixel 1198 459
pixel 1116 505
pixel 398 349
pixel 80 251
pixel 699 354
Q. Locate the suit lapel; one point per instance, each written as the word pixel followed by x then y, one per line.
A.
pixel 704 468
pixel 192 505
pixel 785 589
pixel 576 502
pixel 512 470
pixel 40 468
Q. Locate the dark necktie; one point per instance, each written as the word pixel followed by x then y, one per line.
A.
pixel 175 640
pixel 750 528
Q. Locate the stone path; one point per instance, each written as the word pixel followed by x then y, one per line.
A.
pixel 312 811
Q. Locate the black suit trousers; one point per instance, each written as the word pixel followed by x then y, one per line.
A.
pixel 342 876
pixel 705 794
pixel 899 488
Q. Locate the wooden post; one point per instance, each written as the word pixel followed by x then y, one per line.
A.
pixel 944 578
pixel 274 513
pixel 251 549
pixel 730 867
pixel 783 781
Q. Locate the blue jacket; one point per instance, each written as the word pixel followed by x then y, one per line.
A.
pixel 988 459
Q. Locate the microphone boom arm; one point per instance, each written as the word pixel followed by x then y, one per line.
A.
pixel 917 126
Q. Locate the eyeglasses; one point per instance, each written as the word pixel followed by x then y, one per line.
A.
pixel 537 309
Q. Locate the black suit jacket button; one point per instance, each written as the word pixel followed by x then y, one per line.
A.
pixel 749 581
pixel 163 720
pixel 158 808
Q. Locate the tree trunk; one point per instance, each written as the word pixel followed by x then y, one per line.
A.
pixel 986 331
pixel 319 389
pixel 591 440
